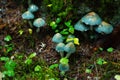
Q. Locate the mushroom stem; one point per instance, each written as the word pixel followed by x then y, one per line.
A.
pixel 62 54
pixel 91 28
pixel 68 55
pixel 38 29
pixel 30 23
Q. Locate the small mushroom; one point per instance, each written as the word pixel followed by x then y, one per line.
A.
pixel 60 48
pixel 39 22
pixel 27 15
pixel 63 68
pixel 104 28
pixel 91 19
pixel 33 8
pixel 69 48
pixel 79 26
pixel 57 38
pixel 64 65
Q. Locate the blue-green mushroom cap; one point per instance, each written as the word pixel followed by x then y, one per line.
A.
pixel 104 27
pixel 33 8
pixel 91 19
pixel 60 47
pixel 27 15
pixel 70 48
pixel 64 67
pixel 39 22
pixel 57 38
pixel 79 26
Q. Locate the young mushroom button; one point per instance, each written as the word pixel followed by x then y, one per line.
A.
pixel 104 28
pixel 57 38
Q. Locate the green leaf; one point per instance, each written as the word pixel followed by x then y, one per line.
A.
pixel 68 23
pixel 10 65
pixel 101 61
pixel 37 68
pixel 9 73
pixel 32 55
pixel 8 38
pixel 110 50
pixel 64 31
pixel 71 30
pixel 4 59
pixel 20 32
pixel 58 20
pixel 53 25
pixel 28 61
pixel 88 71
pixel 117 77
pixel 64 61
pixel 53 66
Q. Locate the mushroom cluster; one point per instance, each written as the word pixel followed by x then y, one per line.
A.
pixel 92 20
pixel 39 22
pixel 69 48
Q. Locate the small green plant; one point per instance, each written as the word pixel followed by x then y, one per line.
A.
pixel 101 61
pixel 65 29
pixel 9 67
pixel 28 61
pixel 7 38
pixel 110 50
pixel 8 47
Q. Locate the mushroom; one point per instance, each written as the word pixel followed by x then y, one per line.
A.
pixel 27 15
pixel 57 38
pixel 91 19
pixel 69 48
pixel 79 26
pixel 33 8
pixel 39 22
pixel 60 48
pixel 104 28
pixel 63 66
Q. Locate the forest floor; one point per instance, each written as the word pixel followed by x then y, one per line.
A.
pixel 11 23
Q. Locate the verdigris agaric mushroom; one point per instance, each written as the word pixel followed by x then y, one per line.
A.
pixel 27 15
pixel 60 48
pixel 57 38
pixel 79 26
pixel 33 8
pixel 63 66
pixel 91 19
pixel 39 22
pixel 104 28
pixel 69 48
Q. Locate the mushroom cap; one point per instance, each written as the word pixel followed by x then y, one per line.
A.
pixel 91 19
pixel 27 15
pixel 70 48
pixel 33 8
pixel 39 22
pixel 104 27
pixel 64 67
pixel 80 26
pixel 57 38
pixel 60 47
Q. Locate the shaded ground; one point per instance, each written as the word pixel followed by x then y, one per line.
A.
pixel 11 22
